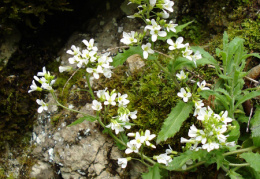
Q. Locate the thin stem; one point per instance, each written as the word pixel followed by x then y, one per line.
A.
pixel 142 162
pixel 59 104
pixel 195 165
pixel 238 164
pixel 240 151
pixel 69 80
pixel 89 87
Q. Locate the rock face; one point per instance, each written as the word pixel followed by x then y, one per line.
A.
pixel 82 151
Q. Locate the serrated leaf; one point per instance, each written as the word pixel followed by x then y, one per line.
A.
pixel 154 173
pixel 247 97
pixel 174 34
pixel 253 160
pixel 120 58
pixel 173 122
pixel 80 120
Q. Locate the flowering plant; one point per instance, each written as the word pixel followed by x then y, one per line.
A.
pixel 214 136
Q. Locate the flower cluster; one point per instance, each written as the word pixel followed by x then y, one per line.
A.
pixel 212 136
pixel 117 123
pixel 165 6
pixel 46 80
pixel 88 58
pixel 166 157
pixel 135 145
pixel 185 49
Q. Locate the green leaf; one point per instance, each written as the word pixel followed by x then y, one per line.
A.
pixel 174 34
pixel 124 138
pixel 234 175
pixel 178 64
pixel 255 127
pixel 179 161
pixel 253 160
pixel 120 58
pixel 173 123
pixel 247 97
pixel 235 133
pixel 154 173
pixel 80 120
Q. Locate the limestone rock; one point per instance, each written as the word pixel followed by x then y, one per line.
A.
pixel 135 62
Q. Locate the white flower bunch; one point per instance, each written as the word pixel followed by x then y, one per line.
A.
pixel 212 136
pixel 89 59
pixel 122 120
pixel 185 49
pixel 45 79
pixel 166 157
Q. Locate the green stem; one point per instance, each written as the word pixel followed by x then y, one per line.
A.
pixel 225 154
pixel 59 104
pixel 89 87
pixel 169 74
pixel 142 162
pixel 240 151
pixel 238 164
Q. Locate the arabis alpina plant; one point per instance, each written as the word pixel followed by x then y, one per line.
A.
pixel 211 138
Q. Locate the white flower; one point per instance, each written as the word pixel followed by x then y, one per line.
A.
pixel 154 26
pixel 204 114
pixel 101 94
pixel 96 105
pixel 114 125
pixel 163 158
pixel 219 132
pixel 147 49
pixel 110 99
pixel 131 147
pixel 43 72
pixel 181 76
pixel 90 44
pixel 168 5
pixel 171 27
pixel 210 146
pixel 184 140
pixel 196 56
pixel 121 99
pixel 122 162
pixel 128 38
pixel 107 72
pixel 164 14
pixel 71 106
pixel 224 117
pixel 187 53
pixel 152 2
pixel 34 87
pixel 95 71
pixel 193 132
pixel 183 94
pixel 199 104
pixel 202 85
pixel 139 140
pixel 75 51
pixel 88 56
pixel 64 68
pixel 156 33
pixel 177 45
pixel 148 137
pixel 230 144
pixel 46 86
pixel 133 114
pixel 43 106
